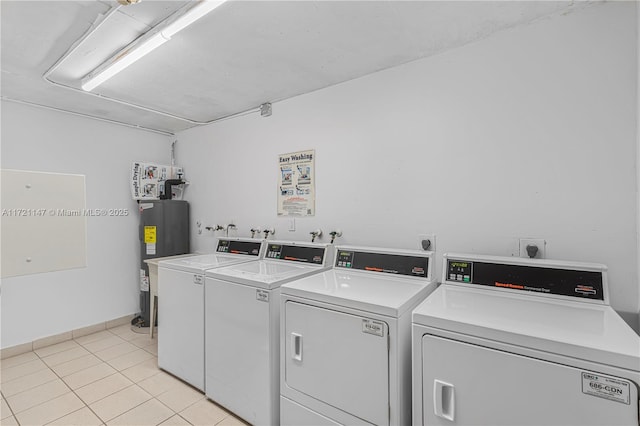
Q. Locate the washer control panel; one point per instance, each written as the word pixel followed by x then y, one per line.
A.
pixel 399 264
pixel 249 248
pixel 541 279
pixel 296 253
pixel 460 271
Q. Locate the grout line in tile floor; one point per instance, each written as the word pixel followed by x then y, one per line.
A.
pixel 109 378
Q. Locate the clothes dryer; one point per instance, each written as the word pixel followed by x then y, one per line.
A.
pixel 511 341
pixel 346 338
pixel 242 340
pixel 181 306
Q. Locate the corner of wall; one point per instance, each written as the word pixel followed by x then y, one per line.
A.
pixel 638 149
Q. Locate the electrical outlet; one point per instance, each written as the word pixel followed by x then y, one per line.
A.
pixel 538 242
pixel 292 224
pixel 430 245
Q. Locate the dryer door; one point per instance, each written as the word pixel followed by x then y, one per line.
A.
pixel 464 384
pixel 339 359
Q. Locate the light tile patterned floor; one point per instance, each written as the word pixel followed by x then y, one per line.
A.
pixel 107 378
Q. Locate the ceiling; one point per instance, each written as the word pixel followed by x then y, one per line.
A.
pixel 241 55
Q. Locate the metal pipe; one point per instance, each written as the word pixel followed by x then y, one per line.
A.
pixel 79 114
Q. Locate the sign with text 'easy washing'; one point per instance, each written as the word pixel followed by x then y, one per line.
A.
pixel 296 184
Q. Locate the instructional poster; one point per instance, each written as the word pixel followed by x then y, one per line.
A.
pixel 296 184
pixel 147 179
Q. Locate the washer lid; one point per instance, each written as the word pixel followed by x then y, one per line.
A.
pixel 267 274
pixel 199 263
pixel 377 293
pixel 581 330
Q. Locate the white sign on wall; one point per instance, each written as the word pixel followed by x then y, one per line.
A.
pixel 147 179
pixel 296 184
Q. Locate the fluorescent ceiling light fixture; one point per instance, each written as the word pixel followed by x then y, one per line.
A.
pixel 180 20
pixel 122 60
pixel 148 42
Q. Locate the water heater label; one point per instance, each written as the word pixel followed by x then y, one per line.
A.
pixel 151 248
pixel 150 234
pixel 373 327
pixel 606 387
pixel 262 295
pixel 144 283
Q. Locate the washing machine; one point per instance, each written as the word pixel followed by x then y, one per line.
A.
pixel 242 339
pixel 511 341
pixel 345 338
pixel 181 306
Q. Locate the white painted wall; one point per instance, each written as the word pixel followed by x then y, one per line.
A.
pixel 40 305
pixel 638 140
pixel 529 133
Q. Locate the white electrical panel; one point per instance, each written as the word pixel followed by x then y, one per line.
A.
pixel 44 224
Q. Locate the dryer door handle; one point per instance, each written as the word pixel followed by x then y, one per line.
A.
pixel 296 346
pixel 444 401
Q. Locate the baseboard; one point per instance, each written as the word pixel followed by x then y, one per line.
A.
pixel 62 337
